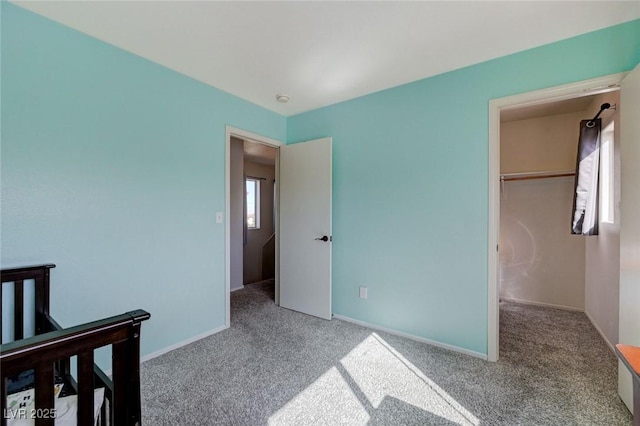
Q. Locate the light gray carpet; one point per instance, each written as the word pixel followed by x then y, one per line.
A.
pixel 275 366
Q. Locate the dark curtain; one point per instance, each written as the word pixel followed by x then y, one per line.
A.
pixel 585 198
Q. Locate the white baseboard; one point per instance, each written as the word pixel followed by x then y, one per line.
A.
pixel 175 346
pixel 413 337
pixel 236 288
pixel 599 330
pixel 545 305
pixel 183 343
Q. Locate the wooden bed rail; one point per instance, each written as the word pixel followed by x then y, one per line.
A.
pixel 42 351
pixel 51 349
pixel 38 273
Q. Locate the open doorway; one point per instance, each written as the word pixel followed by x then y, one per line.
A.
pixel 528 103
pixel 259 212
pixel 302 222
pixel 251 227
pixel 541 262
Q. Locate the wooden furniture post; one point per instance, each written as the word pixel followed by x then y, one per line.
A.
pixel 127 408
pixel 630 356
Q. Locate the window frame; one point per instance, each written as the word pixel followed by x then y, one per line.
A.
pixel 607 175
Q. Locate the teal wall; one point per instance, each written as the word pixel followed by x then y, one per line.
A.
pixel 410 192
pixel 113 168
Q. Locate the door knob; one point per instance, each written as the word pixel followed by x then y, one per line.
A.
pixel 324 238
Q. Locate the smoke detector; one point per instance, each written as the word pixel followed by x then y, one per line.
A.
pixel 282 98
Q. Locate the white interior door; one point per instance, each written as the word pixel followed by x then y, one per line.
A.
pixel 305 227
pixel 629 328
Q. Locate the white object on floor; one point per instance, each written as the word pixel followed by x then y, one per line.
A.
pixel 66 408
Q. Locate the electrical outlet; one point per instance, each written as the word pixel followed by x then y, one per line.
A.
pixel 363 292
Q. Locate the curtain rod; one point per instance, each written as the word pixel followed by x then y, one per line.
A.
pixel 255 177
pixel 603 107
pixel 536 175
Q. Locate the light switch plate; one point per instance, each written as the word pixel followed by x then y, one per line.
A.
pixel 363 292
pixel 219 217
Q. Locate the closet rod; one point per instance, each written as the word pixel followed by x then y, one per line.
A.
pixel 536 175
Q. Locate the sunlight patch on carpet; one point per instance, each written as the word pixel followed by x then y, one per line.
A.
pixel 373 382
pixel 381 372
pixel 328 400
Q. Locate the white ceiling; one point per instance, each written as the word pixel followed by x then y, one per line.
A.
pixel 260 153
pixel 320 53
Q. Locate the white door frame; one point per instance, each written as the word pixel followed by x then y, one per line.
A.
pixel 256 138
pixel 557 93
